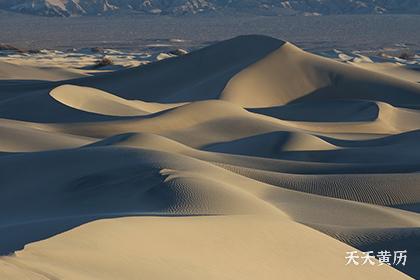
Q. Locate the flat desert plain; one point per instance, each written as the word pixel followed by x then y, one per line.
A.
pixel 247 159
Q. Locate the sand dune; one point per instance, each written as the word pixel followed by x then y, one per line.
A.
pixel 406 72
pixel 100 102
pixel 9 71
pixel 194 248
pixel 22 137
pixel 248 159
pixel 290 75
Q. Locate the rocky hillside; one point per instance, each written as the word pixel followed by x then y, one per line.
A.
pixel 181 7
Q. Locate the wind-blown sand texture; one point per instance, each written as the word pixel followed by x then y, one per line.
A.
pixel 248 159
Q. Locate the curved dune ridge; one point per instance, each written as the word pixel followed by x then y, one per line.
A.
pixel 247 159
pixel 100 102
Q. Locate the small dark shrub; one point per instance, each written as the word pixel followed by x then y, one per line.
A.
pixel 104 61
pixel 96 50
pixel 406 55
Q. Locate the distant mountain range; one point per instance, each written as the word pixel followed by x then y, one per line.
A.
pixel 66 8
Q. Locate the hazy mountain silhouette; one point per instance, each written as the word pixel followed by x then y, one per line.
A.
pixel 67 8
